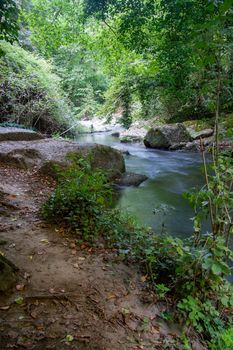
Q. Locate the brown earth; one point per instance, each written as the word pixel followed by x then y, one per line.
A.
pixel 68 296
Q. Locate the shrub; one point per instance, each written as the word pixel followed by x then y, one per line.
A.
pixel 30 93
pixel 80 200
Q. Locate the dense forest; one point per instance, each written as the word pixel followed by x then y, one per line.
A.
pixel 167 58
pixel 155 61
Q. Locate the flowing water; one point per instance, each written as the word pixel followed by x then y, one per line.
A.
pixel 157 202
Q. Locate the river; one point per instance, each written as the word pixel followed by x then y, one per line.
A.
pixel 159 201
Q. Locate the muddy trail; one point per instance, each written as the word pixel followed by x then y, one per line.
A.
pixel 67 296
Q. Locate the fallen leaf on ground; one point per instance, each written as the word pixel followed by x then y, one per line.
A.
pixel 4 307
pixel 44 240
pixel 19 300
pixel 143 278
pixel 111 296
pixel 69 338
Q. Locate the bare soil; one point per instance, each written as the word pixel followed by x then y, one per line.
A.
pixel 68 296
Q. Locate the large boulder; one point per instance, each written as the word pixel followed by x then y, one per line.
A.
pixel 44 155
pixel 18 134
pixel 164 137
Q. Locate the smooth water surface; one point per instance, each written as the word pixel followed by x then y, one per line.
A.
pixel 159 201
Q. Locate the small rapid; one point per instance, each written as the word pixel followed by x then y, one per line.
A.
pixel 158 202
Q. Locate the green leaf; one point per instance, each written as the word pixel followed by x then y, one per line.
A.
pixel 224 301
pixel 69 338
pixel 216 268
pixel 19 300
pixel 226 6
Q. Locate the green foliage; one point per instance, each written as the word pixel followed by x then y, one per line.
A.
pixel 9 10
pixel 223 341
pixel 58 31
pixel 54 23
pixel 30 94
pixel 81 78
pixel 215 198
pixel 181 47
pixel 165 54
pixel 193 276
pixel 119 97
pixel 80 200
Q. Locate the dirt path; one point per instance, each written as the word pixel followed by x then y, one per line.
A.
pixel 73 297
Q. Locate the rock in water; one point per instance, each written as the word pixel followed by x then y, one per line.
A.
pixel 116 134
pixel 163 137
pixel 131 179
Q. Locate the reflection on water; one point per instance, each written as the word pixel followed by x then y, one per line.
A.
pixel 158 202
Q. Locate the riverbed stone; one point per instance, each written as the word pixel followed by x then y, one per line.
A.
pixel 193 146
pixel 201 134
pixel 116 134
pixel 177 146
pixel 130 179
pixel 130 138
pixel 163 137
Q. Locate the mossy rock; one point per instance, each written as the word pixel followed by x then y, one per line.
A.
pixel 165 136
pixel 101 157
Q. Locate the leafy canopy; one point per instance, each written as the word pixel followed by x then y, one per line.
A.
pixel 9 27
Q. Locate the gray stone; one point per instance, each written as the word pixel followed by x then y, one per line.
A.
pixel 163 137
pixel 130 139
pixel 192 146
pixel 177 146
pixel 201 134
pixel 126 153
pixel 130 179
pixel 43 155
pixel 115 134
pixel 18 134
